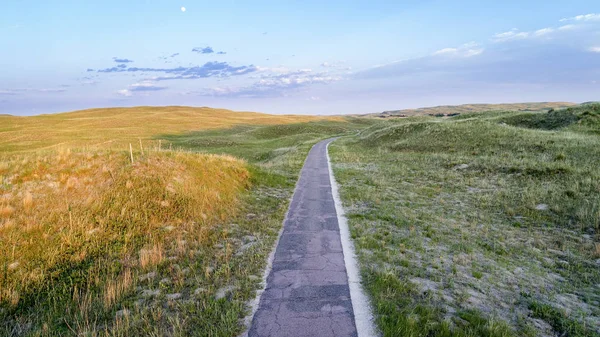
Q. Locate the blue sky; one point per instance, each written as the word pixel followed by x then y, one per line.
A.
pixel 308 57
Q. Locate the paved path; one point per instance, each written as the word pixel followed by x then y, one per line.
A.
pixel 307 292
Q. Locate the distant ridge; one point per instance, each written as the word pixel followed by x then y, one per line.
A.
pixel 118 127
pixel 466 108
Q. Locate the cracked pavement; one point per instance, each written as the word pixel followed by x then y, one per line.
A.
pixel 307 292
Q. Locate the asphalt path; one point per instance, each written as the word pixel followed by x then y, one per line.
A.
pixel 307 291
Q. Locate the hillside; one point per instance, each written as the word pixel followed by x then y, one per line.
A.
pixel 466 108
pixel 169 244
pixel 478 225
pixel 116 127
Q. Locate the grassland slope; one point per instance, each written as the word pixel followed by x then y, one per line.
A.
pixel 79 228
pixel 116 127
pixel 471 226
pixel 170 245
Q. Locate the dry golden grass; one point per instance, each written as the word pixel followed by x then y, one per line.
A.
pixel 117 127
pixel 95 210
pixel 115 289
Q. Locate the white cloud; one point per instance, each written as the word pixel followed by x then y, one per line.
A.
pixel 595 49
pixel 145 86
pixel 513 34
pixel 38 90
pixel 274 85
pixel 585 17
pixel 543 31
pixel 142 87
pixel 446 51
pixel 125 92
pixel 466 50
pixel 567 27
pixel 334 64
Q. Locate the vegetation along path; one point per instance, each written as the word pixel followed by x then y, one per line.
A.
pixel 307 292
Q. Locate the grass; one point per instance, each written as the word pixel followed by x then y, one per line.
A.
pixel 485 224
pixel 468 226
pixel 79 228
pixel 171 245
pixel 115 128
pixel 279 149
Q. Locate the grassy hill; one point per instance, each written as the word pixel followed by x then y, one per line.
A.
pixel 172 243
pixel 483 224
pixel 117 127
pixel 478 225
pixel 469 108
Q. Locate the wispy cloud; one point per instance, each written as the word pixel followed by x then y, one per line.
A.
pixel 18 91
pixel 543 31
pixel 146 86
pixel 203 50
pixel 548 32
pixel 510 35
pixel 140 87
pixel 209 69
pixel 567 59
pixel 584 17
pixel 466 50
pixel 121 60
pixel 124 93
pixel 336 65
pixel 8 92
pixel 274 85
pixel 567 27
pixel 176 54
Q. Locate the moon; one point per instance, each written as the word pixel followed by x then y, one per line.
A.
pixel 183 9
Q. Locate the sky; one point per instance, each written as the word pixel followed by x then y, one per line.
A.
pixel 300 57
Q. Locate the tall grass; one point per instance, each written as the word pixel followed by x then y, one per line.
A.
pixel 77 228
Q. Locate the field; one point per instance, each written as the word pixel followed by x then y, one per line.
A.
pixel 483 224
pixel 115 128
pixel 479 225
pixel 172 244
pixel 471 108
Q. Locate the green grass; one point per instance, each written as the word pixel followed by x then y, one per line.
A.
pixel 559 320
pixel 281 149
pixel 586 117
pixel 461 223
pixel 484 224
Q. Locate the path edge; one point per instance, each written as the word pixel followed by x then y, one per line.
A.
pixel 361 305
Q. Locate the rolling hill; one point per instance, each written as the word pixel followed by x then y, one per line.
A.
pixel 466 108
pixel 116 127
